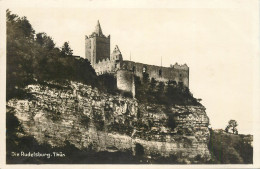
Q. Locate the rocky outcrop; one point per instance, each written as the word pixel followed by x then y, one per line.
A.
pixel 88 118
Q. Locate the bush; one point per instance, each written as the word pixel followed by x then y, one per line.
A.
pixel 229 149
pixel 171 93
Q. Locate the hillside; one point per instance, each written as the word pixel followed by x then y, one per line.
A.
pixel 227 148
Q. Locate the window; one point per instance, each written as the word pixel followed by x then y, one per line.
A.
pixel 133 68
pixel 160 72
pixel 180 75
pixel 144 69
pixel 124 67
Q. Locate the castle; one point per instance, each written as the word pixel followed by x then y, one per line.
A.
pixel 97 51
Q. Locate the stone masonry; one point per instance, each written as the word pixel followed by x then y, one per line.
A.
pixel 97 51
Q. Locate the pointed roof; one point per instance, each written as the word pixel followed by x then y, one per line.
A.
pixel 98 29
pixel 116 50
pixel 116 54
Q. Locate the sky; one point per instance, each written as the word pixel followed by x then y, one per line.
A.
pixel 217 43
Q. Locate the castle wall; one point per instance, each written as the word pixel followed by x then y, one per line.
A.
pixel 125 81
pixel 176 73
pixel 105 66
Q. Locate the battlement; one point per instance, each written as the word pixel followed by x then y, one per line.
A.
pixel 98 53
pixel 105 66
pixel 93 35
pixel 177 66
pixel 177 73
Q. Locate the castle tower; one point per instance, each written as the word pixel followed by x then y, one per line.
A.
pixel 116 54
pixel 97 46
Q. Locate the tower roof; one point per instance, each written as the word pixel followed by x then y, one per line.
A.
pixel 116 54
pixel 116 50
pixel 98 29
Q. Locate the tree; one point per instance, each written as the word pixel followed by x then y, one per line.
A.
pixel 232 124
pixel 152 85
pixel 66 50
pixel 160 87
pixel 19 52
pixel 146 78
pixel 34 57
pixel 45 41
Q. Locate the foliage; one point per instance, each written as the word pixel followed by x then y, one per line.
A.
pixel 107 83
pixel 34 57
pixel 229 148
pixel 66 50
pixel 232 124
pixel 169 93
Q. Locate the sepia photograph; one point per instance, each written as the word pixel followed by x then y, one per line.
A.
pixel 108 82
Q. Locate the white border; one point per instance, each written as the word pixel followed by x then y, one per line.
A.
pixel 5 4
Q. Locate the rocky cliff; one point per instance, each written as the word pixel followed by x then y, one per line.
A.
pixel 88 118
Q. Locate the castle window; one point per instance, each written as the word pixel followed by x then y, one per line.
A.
pixel 133 68
pixel 180 75
pixel 144 69
pixel 124 67
pixel 160 72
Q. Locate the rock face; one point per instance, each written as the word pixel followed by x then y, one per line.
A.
pixel 87 118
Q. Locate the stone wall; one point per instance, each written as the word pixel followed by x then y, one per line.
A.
pixel 178 73
pixel 85 117
pixel 125 81
pixel 105 66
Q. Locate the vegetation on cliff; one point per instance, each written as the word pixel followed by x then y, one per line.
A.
pixel 34 58
pixel 170 93
pixel 227 148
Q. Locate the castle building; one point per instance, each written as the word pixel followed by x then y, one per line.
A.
pixel 97 51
